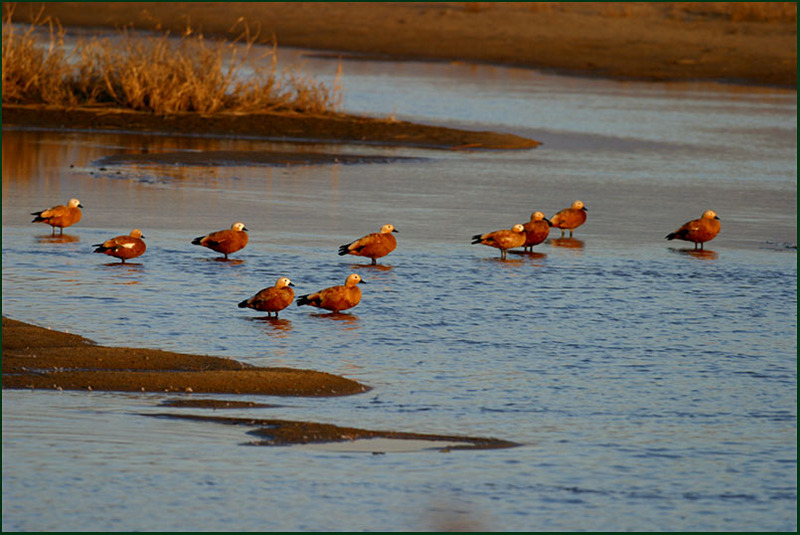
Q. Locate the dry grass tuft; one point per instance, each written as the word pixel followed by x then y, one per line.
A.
pixel 158 74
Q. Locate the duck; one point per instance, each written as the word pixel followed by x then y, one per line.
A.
pixel 60 216
pixel 570 218
pixel 503 239
pixel 273 299
pixel 536 230
pixel 699 230
pixel 374 246
pixel 225 241
pixel 123 247
pixel 335 298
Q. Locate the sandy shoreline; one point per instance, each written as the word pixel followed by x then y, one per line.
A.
pixel 276 126
pixel 637 41
pixel 40 358
pixel 740 42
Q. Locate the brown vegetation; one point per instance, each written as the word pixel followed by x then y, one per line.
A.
pixel 152 73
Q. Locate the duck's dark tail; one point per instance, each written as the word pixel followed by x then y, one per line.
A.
pixel 304 300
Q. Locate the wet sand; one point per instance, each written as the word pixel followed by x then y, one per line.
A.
pixel 40 358
pixel 274 432
pixel 336 128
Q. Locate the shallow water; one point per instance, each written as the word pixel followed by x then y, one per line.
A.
pixel 651 388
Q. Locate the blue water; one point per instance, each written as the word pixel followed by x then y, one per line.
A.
pixel 650 388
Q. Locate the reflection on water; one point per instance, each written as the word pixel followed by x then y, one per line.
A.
pixel 530 255
pixel 351 320
pixel 508 261
pixel 130 267
pixel 375 267
pixel 277 327
pixel 223 260
pixel 58 238
pixel 568 243
pixel 700 254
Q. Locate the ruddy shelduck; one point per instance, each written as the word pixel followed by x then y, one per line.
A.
pixel 60 216
pixel 335 298
pixel 570 218
pixel 536 230
pixel 503 239
pixel 375 245
pixel 698 231
pixel 273 299
pixel 225 241
pixel 123 247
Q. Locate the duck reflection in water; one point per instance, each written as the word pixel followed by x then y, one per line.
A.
pixel 58 238
pixel 700 254
pixel 273 326
pixel 530 255
pixel 568 243
pixel 377 267
pixel 225 261
pixel 351 321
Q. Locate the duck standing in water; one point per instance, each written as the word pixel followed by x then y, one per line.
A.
pixel 570 218
pixel 225 241
pixel 503 239
pixel 536 230
pixel 335 298
pixel 60 216
pixel 123 247
pixel 273 299
pixel 698 231
pixel 375 245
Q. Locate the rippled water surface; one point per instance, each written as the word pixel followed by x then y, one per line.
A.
pixel 650 388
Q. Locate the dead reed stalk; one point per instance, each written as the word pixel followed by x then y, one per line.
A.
pixel 159 74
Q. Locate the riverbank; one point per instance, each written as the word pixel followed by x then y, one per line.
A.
pixel 737 42
pixel 277 126
pixel 681 41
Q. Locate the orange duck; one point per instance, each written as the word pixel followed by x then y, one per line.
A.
pixel 335 298
pixel 60 216
pixel 536 230
pixel 123 247
pixel 503 239
pixel 698 231
pixel 375 245
pixel 273 299
pixel 570 218
pixel 225 241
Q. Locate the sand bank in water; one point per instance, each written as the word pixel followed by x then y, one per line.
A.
pixel 35 357
pixel 39 358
